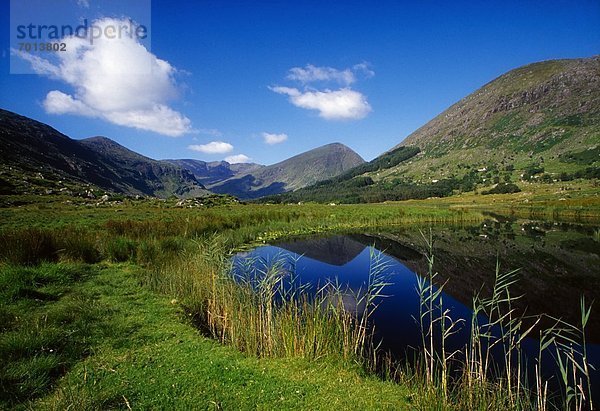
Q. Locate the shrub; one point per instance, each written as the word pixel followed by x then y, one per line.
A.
pixel 172 245
pixel 121 249
pixel 531 171
pixel 146 253
pixel 503 189
pixel 77 247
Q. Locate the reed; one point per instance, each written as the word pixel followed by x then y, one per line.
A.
pixel 260 307
pixel 493 363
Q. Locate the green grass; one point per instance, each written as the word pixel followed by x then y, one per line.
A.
pixel 255 312
pixel 135 348
pixel 589 156
pixel 99 336
pixel 46 323
pixel 101 308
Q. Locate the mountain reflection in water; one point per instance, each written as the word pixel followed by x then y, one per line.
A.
pixel 558 264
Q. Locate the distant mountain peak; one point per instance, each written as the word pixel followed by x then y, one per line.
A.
pixel 293 173
pixel 249 180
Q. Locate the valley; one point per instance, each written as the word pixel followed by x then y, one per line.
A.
pixel 132 282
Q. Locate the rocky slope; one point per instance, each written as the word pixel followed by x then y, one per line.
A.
pixel 536 114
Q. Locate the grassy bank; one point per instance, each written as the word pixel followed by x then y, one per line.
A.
pixel 100 340
pixel 569 203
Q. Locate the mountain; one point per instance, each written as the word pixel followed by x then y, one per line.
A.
pixel 296 172
pixel 536 114
pixel 539 122
pixel 216 171
pixel 36 158
pixel 151 177
pixel 336 250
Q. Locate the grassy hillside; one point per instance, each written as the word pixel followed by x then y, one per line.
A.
pixel 542 115
pixel 537 124
pixel 356 185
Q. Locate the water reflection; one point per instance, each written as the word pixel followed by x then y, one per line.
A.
pixel 335 250
pixel 558 263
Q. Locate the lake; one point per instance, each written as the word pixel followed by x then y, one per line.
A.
pixel 557 263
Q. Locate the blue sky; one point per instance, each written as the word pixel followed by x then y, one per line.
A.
pixel 364 75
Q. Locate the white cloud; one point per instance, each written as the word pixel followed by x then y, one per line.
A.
pixel 364 68
pixel 83 3
pixel 38 64
pixel 238 158
pixel 346 77
pixel 159 118
pixel 214 147
pixel 57 102
pixel 342 104
pixel 274 138
pixel 312 73
pixel 116 79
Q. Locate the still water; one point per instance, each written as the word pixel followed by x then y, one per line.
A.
pixel 557 263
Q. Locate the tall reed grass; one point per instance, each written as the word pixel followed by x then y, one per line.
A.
pixel 32 246
pixel 493 368
pixel 260 307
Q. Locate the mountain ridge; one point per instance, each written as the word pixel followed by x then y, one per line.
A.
pixel 161 178
pixel 293 173
pixel 41 159
pixel 538 122
pixel 535 86
pixel 38 159
pixel 212 172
